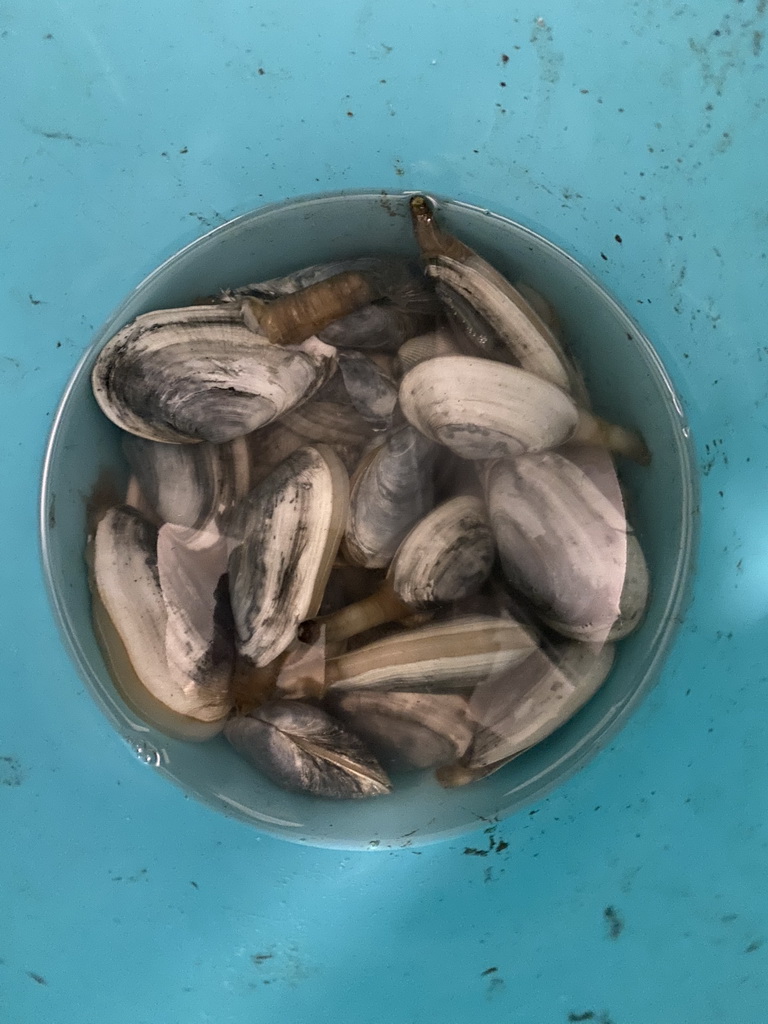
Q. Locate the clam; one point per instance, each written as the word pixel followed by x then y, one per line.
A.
pixel 372 302
pixel 408 731
pixel 597 464
pixel 189 484
pixel 302 748
pixel 519 709
pixel 562 541
pixel 329 422
pixel 542 306
pixel 453 655
pixel 171 663
pixel 199 374
pixel 426 346
pixel 634 593
pixel 391 490
pixel 381 326
pixel 199 633
pixel 445 557
pixel 270 446
pixel 473 335
pixel 481 409
pixel 372 392
pixel 491 311
pixel 289 526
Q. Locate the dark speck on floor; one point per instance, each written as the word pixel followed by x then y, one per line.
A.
pixel 11 772
pixel 613 922
pixel 37 977
pixel 472 851
pixel 754 946
pixel 489 970
pixel 587 1015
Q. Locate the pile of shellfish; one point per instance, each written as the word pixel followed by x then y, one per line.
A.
pixel 372 524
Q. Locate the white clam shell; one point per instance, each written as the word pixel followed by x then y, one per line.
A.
pixel 481 409
pixel 562 541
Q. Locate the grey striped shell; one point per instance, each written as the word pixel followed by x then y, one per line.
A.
pixel 199 374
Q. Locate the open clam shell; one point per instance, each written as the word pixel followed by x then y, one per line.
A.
pixel 289 529
pixel 199 373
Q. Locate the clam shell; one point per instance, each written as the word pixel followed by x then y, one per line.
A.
pixel 290 526
pixel 481 409
pixel 562 541
pixel 426 346
pixel 519 328
pixel 175 674
pixel 472 334
pixel 635 592
pixel 198 373
pixel 521 708
pixel 391 490
pixel 452 655
pixel 373 393
pixel 326 422
pixel 270 446
pixel 301 748
pixel 381 326
pixel 408 731
pixel 189 485
pixel 446 556
pixel 462 274
pixel 408 309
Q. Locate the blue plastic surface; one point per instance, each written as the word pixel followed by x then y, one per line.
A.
pixel 635 893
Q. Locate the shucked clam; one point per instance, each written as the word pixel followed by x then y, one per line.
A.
pixel 386 465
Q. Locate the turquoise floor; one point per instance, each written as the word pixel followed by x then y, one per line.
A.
pixel 636 893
